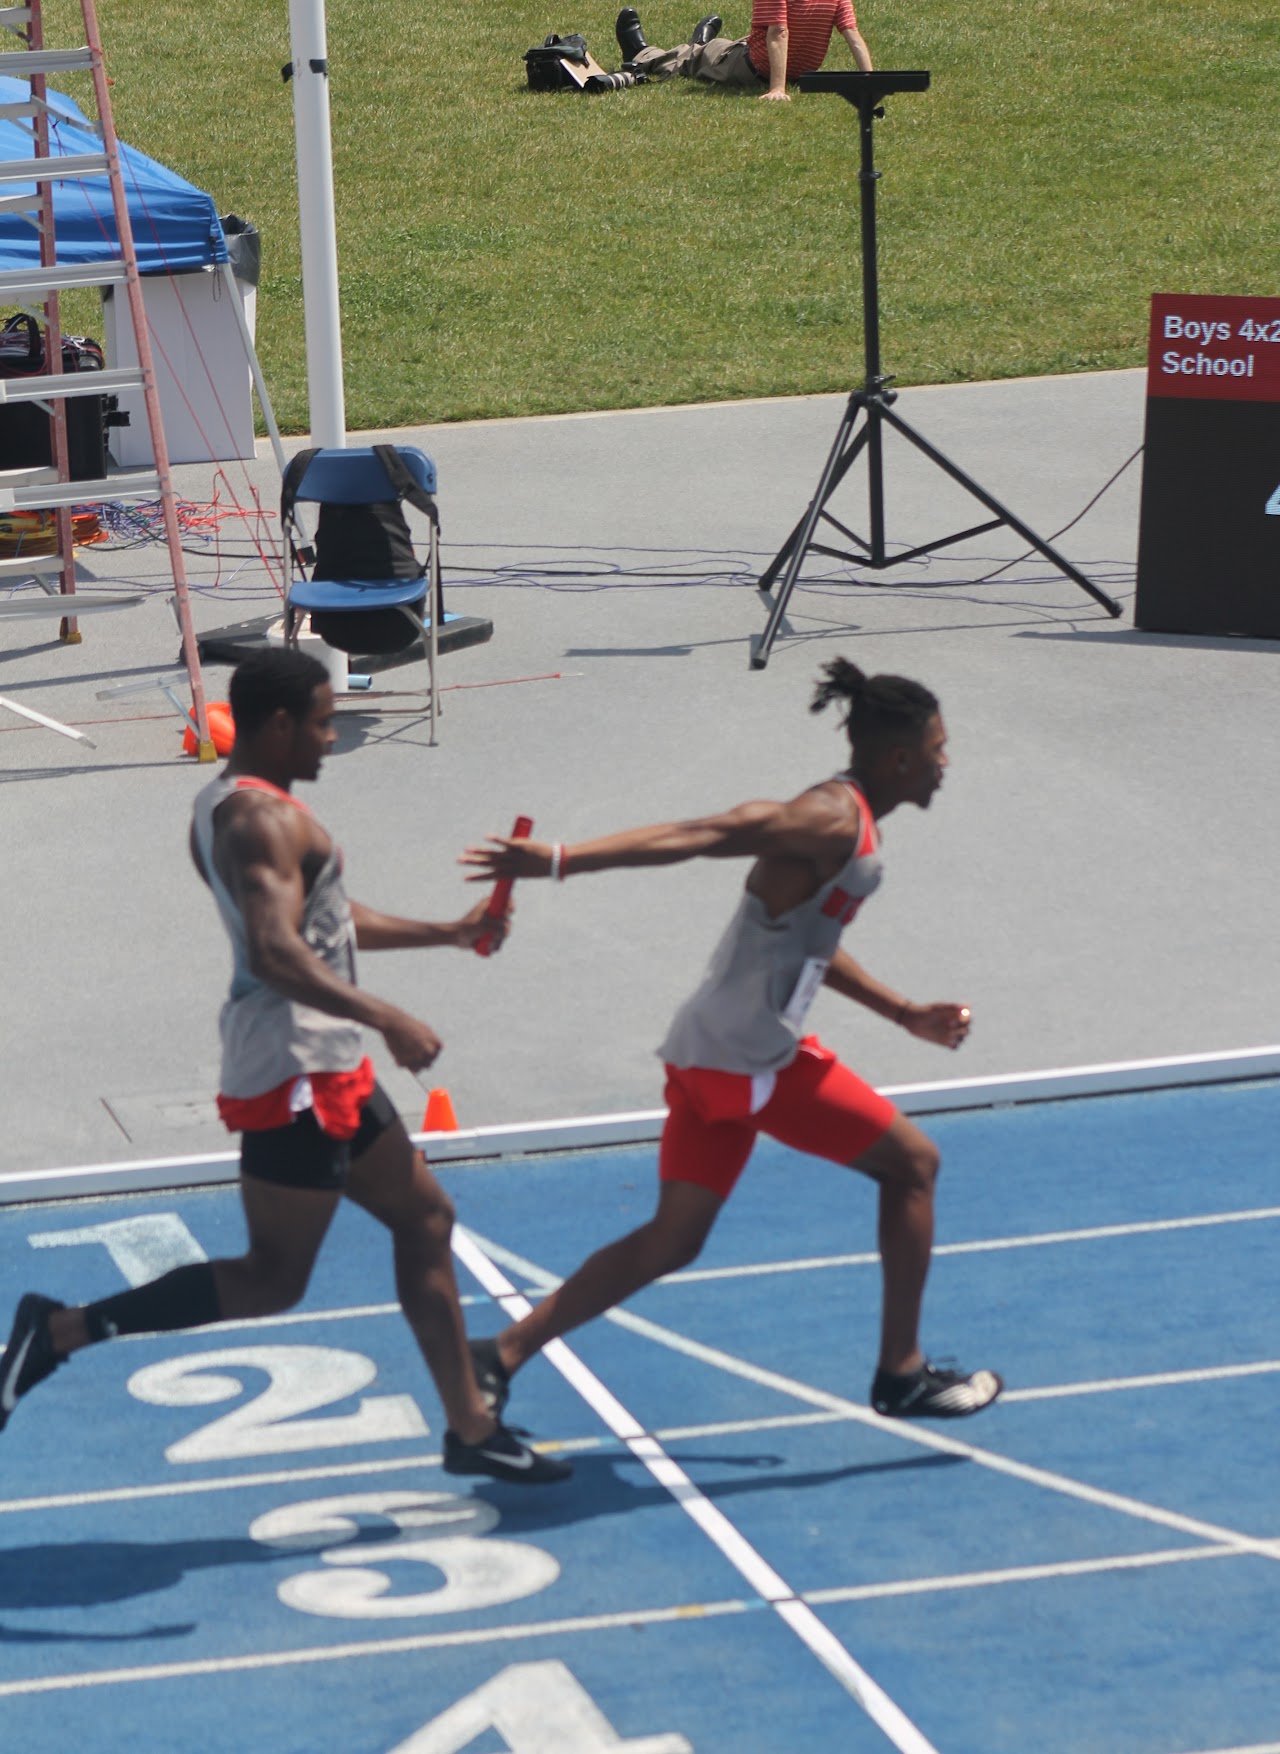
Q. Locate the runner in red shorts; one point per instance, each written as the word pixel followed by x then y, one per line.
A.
pixel 738 1061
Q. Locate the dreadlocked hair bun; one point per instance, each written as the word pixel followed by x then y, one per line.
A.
pixel 877 706
pixel 843 681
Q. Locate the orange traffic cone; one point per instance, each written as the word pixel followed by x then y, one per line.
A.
pixel 439 1117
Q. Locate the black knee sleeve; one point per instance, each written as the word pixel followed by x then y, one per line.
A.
pixel 185 1298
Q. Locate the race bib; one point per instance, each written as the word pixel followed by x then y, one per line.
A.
pixel 804 992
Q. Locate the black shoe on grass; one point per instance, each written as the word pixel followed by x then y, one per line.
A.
pixel 29 1357
pixel 930 1393
pixel 706 30
pixel 629 34
pixel 490 1374
pixel 503 1456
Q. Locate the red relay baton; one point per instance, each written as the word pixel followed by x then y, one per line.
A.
pixel 501 897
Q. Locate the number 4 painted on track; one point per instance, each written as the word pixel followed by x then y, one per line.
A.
pixel 537 1708
pixel 1273 504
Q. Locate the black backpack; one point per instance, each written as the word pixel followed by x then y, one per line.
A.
pixel 545 65
pixel 371 540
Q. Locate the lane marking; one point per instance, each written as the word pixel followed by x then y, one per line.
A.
pixel 728 1539
pixel 185 1488
pixel 1157 1380
pixel 792 1421
pixel 293 1318
pixel 381 1647
pixel 1253 1748
pixel 386 1465
pixel 1043 1239
pixel 973 1580
pixel 566 1446
pixel 682 1611
pixel 908 1431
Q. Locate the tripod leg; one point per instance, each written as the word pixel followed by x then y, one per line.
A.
pixel 796 546
pixel 1005 516
pixel 775 566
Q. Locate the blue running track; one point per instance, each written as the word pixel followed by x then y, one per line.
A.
pixel 241 1539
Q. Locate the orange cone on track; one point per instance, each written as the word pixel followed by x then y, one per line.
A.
pixel 439 1117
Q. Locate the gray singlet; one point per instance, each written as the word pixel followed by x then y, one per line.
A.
pixel 748 1013
pixel 266 1038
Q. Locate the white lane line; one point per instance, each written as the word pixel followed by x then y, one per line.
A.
pixel 1253 1748
pixel 386 1465
pixel 594 1623
pixel 793 1421
pixel 297 1317
pixel 1048 1392
pixel 977 1580
pixel 1159 1380
pixel 981 1246
pixel 909 1431
pixel 817 1638
pixel 283 1659
pixel 185 1488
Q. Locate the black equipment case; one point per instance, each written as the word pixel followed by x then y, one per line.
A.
pixel 26 441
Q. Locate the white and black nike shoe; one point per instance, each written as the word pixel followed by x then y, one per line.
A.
pixel 29 1357
pixel 931 1393
pixel 490 1374
pixel 503 1456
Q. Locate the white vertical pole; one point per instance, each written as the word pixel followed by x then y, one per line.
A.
pixel 316 222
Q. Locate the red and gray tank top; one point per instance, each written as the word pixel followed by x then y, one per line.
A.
pixel 266 1038
pixel 747 1015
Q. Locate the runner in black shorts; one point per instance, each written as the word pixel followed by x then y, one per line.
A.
pixel 303 1155
pixel 296 1082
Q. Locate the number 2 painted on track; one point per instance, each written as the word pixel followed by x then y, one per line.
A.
pixel 301 1379
pixel 1273 504
pixel 537 1708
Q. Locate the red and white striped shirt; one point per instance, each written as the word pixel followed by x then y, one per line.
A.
pixel 809 26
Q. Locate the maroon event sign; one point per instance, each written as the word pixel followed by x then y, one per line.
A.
pixel 1225 348
pixel 1209 541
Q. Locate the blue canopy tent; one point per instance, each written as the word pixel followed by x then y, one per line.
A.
pixel 177 233
pixel 175 225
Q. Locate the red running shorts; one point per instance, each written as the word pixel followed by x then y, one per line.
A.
pixel 815 1104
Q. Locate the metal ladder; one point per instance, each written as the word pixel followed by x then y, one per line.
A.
pixel 36 291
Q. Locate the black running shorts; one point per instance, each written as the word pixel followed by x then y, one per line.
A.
pixel 300 1155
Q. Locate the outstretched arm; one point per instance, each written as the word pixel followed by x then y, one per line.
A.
pixel 819 824
pixel 377 931
pixel 945 1024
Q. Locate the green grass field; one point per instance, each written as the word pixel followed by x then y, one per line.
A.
pixel 503 252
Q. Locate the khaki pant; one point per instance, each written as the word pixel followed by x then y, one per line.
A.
pixel 724 60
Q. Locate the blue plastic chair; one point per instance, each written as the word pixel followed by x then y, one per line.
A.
pixel 363 615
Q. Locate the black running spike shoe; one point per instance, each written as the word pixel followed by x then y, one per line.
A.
pixel 931 1393
pixel 29 1357
pixel 490 1374
pixel 503 1456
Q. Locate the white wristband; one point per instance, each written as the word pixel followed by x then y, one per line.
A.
pixel 557 857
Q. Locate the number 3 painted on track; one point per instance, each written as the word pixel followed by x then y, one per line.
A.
pixel 436 1529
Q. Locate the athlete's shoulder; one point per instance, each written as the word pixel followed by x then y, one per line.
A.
pixel 255 819
pixel 833 801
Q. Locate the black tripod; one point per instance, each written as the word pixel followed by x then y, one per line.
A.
pixel 875 401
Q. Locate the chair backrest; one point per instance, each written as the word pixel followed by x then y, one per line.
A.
pixel 356 477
